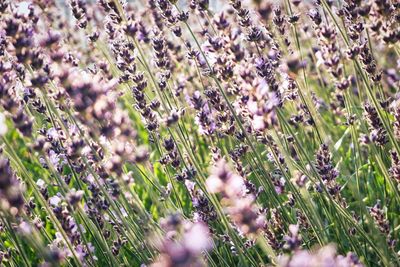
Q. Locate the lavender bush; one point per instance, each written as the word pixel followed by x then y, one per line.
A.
pixel 190 133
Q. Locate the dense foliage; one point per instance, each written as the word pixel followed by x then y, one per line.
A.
pixel 189 133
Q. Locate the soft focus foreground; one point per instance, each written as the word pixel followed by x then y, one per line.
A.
pixel 189 133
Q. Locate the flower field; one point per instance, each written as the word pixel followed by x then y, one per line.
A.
pixel 172 133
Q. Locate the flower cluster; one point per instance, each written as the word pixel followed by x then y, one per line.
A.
pixel 242 119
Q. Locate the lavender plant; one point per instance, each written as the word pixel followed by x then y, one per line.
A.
pixel 199 133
